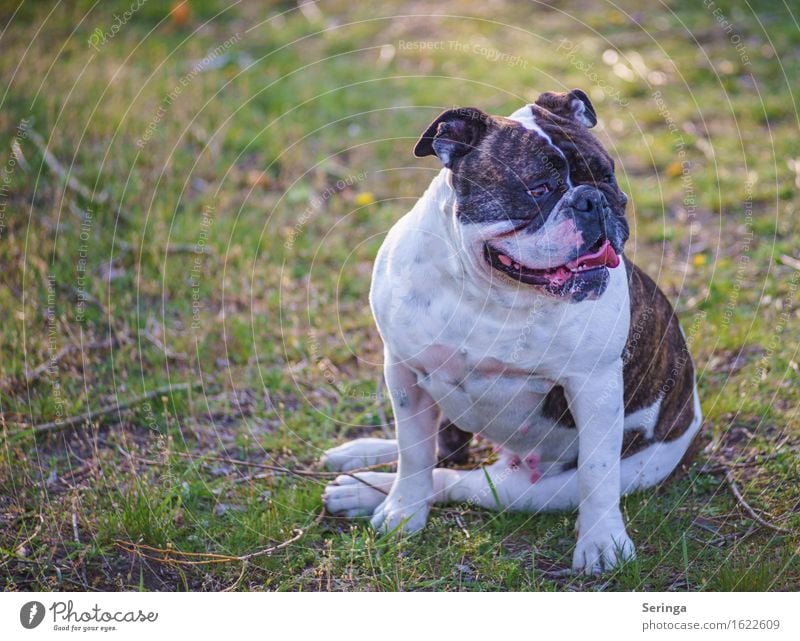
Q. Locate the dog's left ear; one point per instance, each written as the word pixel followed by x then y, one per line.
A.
pixel 574 105
pixel 455 133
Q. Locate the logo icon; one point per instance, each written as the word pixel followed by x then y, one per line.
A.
pixel 31 614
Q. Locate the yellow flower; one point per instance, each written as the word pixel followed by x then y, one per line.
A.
pixel 699 260
pixel 674 169
pixel 365 198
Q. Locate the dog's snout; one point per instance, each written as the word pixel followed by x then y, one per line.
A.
pixel 590 202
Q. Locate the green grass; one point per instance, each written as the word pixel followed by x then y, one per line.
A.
pixel 272 325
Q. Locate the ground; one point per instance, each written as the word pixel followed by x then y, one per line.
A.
pixel 190 260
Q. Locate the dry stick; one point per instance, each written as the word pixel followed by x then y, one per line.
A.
pixel 287 470
pixel 790 261
pixel 747 508
pixel 168 353
pixel 55 426
pixel 75 534
pixel 34 374
pixel 757 459
pixel 175 248
pixel 236 583
pixel 202 558
pixel 264 466
pixel 100 198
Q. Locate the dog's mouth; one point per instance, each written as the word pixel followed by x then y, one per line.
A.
pixel 599 257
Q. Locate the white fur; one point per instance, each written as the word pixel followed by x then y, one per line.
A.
pixel 465 339
pixel 644 419
pixel 524 115
pixel 362 452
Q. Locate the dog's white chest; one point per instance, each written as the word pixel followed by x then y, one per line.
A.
pixel 488 355
pixel 476 388
pixel 481 369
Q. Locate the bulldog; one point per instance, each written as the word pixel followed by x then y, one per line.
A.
pixel 509 311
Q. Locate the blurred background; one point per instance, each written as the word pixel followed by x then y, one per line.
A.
pixel 191 198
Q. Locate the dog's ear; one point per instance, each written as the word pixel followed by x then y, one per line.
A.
pixel 574 105
pixel 453 134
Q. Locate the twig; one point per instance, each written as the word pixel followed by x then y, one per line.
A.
pixel 264 466
pixel 166 555
pixel 236 583
pixel 55 426
pixel 34 374
pixel 790 261
pixel 747 508
pixel 21 546
pixel 164 349
pixel 287 470
pixel 758 459
pixel 175 248
pixel 100 198
pixel 75 534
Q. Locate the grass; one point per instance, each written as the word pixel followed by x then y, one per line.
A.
pixel 286 155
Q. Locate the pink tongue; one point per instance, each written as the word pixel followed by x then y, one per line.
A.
pixel 605 256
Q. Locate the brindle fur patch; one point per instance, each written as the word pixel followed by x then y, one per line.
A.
pixel 656 364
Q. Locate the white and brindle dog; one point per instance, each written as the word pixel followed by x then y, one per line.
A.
pixel 507 309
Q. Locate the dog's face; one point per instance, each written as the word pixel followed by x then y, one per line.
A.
pixel 537 201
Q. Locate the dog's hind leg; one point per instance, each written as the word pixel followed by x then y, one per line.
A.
pixel 504 487
pixel 453 447
pixel 362 452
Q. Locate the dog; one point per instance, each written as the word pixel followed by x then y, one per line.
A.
pixel 508 311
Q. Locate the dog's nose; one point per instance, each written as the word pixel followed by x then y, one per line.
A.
pixel 590 202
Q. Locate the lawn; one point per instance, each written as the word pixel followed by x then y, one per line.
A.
pixel 190 204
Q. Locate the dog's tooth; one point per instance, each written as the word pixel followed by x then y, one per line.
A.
pixel 504 259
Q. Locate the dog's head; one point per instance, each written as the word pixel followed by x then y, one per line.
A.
pixel 536 199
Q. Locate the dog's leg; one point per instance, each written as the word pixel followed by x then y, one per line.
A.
pixel 357 494
pixel 596 402
pixel 362 452
pixel 495 487
pixel 416 416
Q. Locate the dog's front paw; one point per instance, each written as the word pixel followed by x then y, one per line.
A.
pixel 357 494
pixel 602 548
pixel 401 513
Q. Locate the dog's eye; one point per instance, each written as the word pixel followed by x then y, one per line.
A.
pixel 539 190
pixel 608 178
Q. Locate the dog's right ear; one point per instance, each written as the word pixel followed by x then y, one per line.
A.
pixel 453 134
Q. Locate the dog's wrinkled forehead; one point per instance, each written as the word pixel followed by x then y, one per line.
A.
pixel 553 137
pixel 543 149
pixel 511 151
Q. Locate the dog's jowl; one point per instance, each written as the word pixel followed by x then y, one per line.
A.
pixel 508 310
